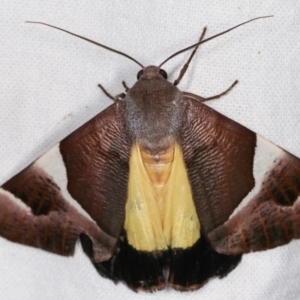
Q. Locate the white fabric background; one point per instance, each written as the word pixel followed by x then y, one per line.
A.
pixel 48 88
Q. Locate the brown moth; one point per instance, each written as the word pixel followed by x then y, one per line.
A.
pixel 160 189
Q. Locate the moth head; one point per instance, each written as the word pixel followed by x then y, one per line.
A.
pixel 152 72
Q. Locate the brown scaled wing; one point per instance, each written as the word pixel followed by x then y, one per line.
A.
pixel 221 158
pixel 34 211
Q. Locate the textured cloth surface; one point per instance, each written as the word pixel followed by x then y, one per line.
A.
pixel 49 87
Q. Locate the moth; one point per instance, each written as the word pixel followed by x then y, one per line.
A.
pixel 160 189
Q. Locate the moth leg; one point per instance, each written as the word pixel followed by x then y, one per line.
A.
pixel 116 98
pixel 202 99
pixel 186 65
pixel 119 97
pixel 106 92
pixel 125 86
pixel 222 94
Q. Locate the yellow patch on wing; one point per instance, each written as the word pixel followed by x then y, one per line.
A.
pixel 160 210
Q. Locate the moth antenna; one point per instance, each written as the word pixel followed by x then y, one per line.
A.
pixel 186 65
pixel 212 37
pixel 88 40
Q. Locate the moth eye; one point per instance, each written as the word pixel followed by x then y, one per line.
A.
pixel 139 74
pixel 163 73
